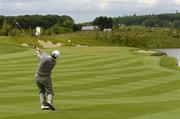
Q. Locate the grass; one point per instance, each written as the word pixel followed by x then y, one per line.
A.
pixel 90 83
pixel 132 36
pixel 169 62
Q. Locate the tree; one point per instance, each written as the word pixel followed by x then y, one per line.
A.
pixel 77 27
pixel 55 29
pixel 6 27
pixel 1 21
pixel 177 24
pixel 103 22
pixel 150 22
pixel 68 23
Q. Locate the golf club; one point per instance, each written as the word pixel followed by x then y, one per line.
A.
pixel 26 35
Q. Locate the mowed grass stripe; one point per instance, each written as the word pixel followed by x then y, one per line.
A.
pixel 163 97
pixel 9 84
pixel 69 80
pixel 23 66
pixel 75 58
pixel 95 59
pixel 96 78
pixel 109 100
pixel 66 67
pixel 121 100
pixel 18 69
pixel 18 74
pixel 63 74
pixel 124 90
pixel 16 55
pixel 134 63
pixel 152 108
pixel 116 81
pixel 17 62
pixel 83 59
pixel 104 86
pixel 116 96
pixel 78 81
pixel 85 74
pixel 147 90
pixel 128 86
pixel 73 73
pixel 62 83
pixel 155 90
pixel 96 63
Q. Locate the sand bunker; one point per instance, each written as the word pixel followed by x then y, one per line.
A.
pixel 25 44
pixel 146 51
pixel 49 44
pixel 150 52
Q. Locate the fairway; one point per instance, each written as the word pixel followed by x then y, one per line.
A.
pixel 90 83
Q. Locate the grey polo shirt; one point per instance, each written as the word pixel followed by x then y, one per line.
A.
pixel 46 65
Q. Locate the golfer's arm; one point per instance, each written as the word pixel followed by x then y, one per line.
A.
pixel 39 52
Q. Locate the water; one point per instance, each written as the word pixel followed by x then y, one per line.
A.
pixel 172 53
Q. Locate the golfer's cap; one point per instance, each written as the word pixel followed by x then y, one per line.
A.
pixel 55 54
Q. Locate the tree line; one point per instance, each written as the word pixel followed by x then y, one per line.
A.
pixel 55 24
pixel 50 24
pixel 171 20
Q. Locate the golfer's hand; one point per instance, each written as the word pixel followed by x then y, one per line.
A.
pixel 39 51
pixel 37 48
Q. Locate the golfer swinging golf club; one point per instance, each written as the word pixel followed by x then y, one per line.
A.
pixel 43 77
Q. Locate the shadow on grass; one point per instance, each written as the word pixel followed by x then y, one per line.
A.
pixel 106 111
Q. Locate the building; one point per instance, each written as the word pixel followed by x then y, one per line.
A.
pixel 89 28
pixel 107 30
pixel 38 31
pixel 178 63
pixel 122 25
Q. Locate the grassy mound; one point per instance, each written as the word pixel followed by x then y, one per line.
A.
pixel 90 83
pixel 169 62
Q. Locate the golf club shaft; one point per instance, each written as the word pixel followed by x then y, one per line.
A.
pixel 26 35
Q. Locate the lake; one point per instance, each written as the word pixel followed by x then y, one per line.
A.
pixel 172 53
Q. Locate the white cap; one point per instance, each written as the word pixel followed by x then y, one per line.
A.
pixel 55 54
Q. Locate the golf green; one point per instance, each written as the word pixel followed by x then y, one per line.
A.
pixel 90 83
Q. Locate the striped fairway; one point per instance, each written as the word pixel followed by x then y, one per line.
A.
pixel 90 83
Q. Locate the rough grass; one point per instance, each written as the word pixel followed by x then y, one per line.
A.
pixel 90 83
pixel 169 62
pixel 134 36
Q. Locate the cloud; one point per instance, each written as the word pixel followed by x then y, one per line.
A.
pixel 22 1
pixel 103 4
pixel 19 4
pixel 149 3
pixel 177 2
pixel 145 3
pixel 87 9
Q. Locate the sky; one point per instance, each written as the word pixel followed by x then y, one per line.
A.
pixel 88 10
